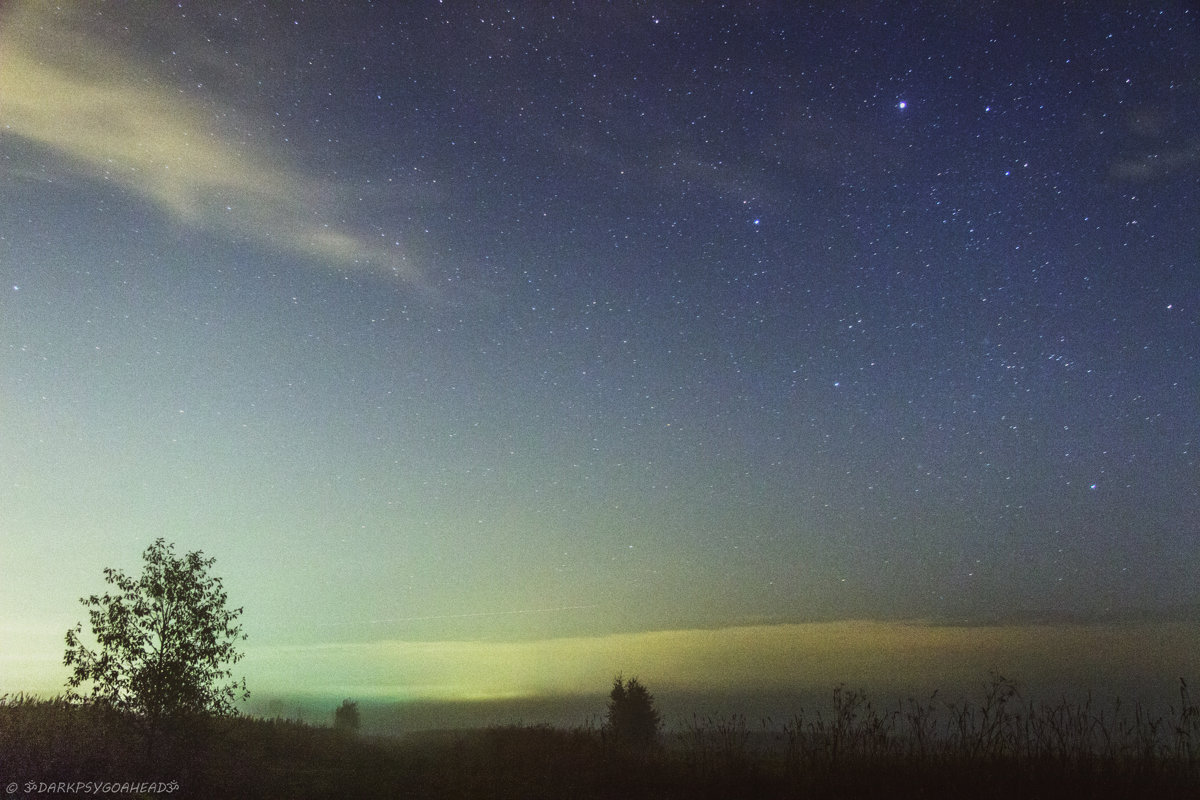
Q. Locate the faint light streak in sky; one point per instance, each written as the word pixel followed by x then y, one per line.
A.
pixel 470 615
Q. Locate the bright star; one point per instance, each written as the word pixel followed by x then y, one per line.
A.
pixel 903 104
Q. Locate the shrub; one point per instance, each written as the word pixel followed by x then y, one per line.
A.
pixel 346 718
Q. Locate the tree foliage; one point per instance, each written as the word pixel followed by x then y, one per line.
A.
pixel 633 721
pixel 346 718
pixel 165 642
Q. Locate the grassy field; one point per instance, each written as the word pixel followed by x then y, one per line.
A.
pixel 994 746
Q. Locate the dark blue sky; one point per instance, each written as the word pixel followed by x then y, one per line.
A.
pixel 604 317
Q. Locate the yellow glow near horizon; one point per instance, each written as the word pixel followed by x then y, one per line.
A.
pixel 767 658
pixel 874 655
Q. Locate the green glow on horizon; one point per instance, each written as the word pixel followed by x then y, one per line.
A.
pixel 871 654
pixel 767 657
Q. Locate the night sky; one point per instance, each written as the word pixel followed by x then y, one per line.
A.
pixel 461 334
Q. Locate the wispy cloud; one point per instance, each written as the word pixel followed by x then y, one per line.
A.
pixel 1160 165
pixel 103 112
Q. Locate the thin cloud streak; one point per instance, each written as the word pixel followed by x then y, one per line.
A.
pixel 471 615
pixel 63 89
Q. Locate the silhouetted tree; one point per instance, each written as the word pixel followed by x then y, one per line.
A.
pixel 633 721
pixel 345 718
pixel 165 642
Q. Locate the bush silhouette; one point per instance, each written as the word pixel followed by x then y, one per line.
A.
pixel 346 718
pixel 633 721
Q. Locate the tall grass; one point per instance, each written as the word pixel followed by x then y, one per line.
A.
pixel 40 738
pixel 998 744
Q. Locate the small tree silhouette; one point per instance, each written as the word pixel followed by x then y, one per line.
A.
pixel 346 718
pixel 165 643
pixel 633 721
